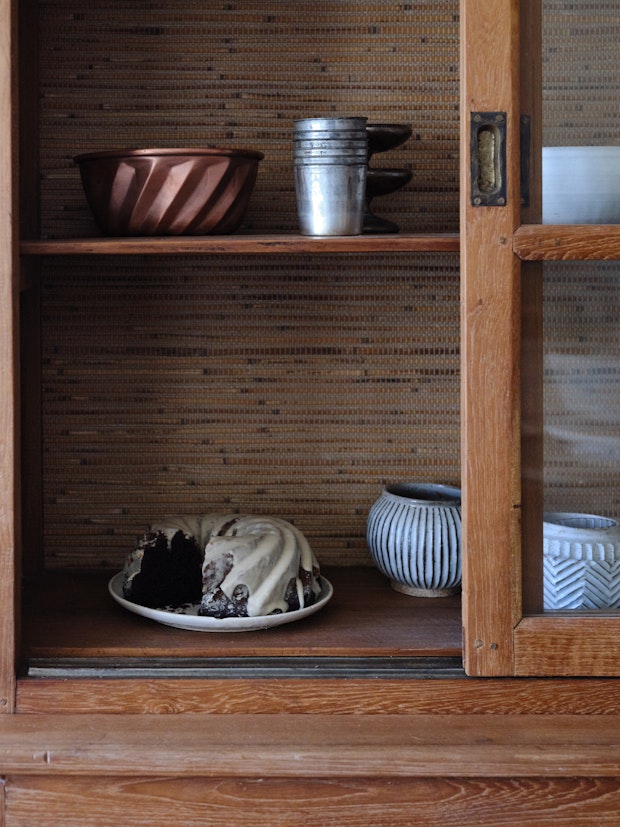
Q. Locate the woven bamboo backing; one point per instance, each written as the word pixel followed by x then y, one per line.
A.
pixel 297 390
pixel 581 72
pixel 293 386
pixel 290 386
pixel 581 80
pixel 129 73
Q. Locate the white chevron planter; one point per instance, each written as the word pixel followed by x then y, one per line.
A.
pixel 581 562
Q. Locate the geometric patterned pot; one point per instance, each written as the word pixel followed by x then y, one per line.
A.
pixel 581 562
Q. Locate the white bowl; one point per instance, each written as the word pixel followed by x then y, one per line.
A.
pixel 581 184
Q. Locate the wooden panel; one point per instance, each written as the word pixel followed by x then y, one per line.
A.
pixel 325 696
pixel 9 478
pixel 579 644
pixel 532 436
pixel 548 242
pixel 316 746
pixel 137 802
pixel 531 316
pixel 490 325
pixel 72 615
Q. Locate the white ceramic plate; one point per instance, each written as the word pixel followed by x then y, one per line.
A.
pixel 187 617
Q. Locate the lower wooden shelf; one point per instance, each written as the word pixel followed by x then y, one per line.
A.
pixel 70 615
pixel 81 652
pixel 370 651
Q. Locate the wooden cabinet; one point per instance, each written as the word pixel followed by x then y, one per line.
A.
pixel 268 370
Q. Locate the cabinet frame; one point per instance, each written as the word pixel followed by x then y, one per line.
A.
pixel 506 631
pixel 483 751
pixel 9 362
pixel 504 634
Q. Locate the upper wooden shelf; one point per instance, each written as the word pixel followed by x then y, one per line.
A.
pixel 244 244
pixel 567 242
pixel 531 242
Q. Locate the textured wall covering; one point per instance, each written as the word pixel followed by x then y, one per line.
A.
pixel 124 74
pixel 288 385
pixel 297 390
pixel 581 72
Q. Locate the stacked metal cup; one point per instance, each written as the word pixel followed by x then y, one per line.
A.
pixel 331 160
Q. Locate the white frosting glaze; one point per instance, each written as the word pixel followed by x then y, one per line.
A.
pixel 266 553
pixel 201 527
pixel 133 564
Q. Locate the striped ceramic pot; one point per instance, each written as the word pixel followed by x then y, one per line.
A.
pixel 414 536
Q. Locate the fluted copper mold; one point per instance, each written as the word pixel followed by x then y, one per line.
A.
pixel 169 191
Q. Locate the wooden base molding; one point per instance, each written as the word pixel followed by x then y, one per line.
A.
pixel 312 746
pixel 352 696
pixel 276 802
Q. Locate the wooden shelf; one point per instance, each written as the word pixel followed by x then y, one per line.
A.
pixel 531 242
pixel 567 242
pixel 71 615
pixel 245 244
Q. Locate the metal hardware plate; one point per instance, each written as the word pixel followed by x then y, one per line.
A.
pixel 488 159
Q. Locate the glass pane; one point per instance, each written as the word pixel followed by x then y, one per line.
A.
pixel 581 109
pixel 581 308
pixel 581 313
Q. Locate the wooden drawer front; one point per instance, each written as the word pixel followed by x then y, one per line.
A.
pixel 135 802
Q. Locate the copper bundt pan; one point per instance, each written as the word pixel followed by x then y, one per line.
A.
pixel 169 191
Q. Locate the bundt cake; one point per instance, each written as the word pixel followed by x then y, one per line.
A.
pixel 233 565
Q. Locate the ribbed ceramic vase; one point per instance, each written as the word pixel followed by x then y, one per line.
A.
pixel 414 536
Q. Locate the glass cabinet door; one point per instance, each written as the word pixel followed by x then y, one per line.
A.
pixel 541 344
pixel 580 80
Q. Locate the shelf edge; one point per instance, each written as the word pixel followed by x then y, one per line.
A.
pixel 267 244
pixel 567 242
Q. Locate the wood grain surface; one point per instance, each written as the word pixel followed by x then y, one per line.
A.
pixel 269 802
pixel 244 244
pixel 71 614
pixel 317 746
pixel 351 696
pixel 547 242
pixel 9 364
pixel 490 328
